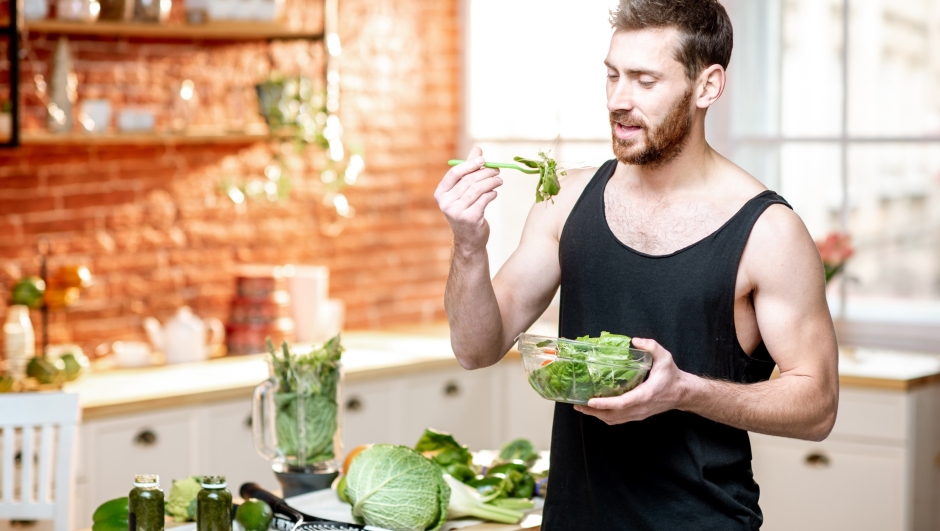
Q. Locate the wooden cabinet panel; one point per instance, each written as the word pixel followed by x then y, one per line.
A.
pixel 456 401
pixel 367 414
pixel 872 414
pixel 527 414
pixel 829 485
pixel 116 450
pixel 228 448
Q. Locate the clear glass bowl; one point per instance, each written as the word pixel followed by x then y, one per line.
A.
pixel 573 372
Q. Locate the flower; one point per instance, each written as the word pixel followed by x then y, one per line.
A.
pixel 835 251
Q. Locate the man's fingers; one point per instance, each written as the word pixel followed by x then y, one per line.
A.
pixel 476 209
pixel 624 401
pixel 467 182
pixel 453 176
pixel 476 190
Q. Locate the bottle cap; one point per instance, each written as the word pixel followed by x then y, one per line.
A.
pixel 146 480
pixel 214 482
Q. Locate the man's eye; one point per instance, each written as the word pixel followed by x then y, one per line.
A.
pixel 612 76
pixel 647 84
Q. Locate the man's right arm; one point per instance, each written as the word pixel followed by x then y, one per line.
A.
pixel 486 315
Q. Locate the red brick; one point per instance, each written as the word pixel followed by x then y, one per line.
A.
pixel 99 199
pixel 20 206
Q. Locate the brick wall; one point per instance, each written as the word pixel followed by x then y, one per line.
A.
pixel 152 222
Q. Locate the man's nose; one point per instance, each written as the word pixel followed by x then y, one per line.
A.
pixel 620 97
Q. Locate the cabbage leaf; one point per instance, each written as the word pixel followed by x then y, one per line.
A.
pixel 397 488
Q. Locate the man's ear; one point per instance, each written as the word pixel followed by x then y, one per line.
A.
pixel 710 86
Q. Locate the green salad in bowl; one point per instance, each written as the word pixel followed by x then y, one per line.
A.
pixel 575 371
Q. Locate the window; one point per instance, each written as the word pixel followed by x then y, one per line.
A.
pixel 854 149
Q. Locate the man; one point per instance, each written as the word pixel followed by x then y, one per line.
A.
pixel 673 243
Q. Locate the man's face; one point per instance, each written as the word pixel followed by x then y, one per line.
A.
pixel 648 96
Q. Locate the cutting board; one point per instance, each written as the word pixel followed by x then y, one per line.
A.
pixel 325 504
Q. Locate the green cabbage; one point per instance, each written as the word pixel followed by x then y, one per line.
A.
pixel 396 488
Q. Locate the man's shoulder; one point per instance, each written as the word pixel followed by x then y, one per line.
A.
pixel 779 241
pixel 549 217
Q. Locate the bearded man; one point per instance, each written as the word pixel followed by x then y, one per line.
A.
pixel 673 243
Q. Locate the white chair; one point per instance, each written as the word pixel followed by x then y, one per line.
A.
pixel 25 488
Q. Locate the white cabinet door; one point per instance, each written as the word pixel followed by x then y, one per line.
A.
pixel 115 450
pixel 228 449
pixel 527 415
pixel 456 401
pixel 830 485
pixel 367 413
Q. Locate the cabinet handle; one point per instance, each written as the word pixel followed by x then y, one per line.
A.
pixel 145 438
pixel 817 460
pixel 248 422
pixel 451 389
pixel 936 461
pixel 354 404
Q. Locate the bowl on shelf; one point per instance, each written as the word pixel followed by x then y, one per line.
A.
pixel 574 372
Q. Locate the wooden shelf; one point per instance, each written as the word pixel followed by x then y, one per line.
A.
pixel 213 31
pixel 29 138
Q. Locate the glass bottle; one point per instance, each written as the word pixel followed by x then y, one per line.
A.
pixel 19 340
pixel 145 504
pixel 214 505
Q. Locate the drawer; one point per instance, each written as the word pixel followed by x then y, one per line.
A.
pixel 367 414
pixel 456 401
pixel 830 485
pixel 228 448
pixel 116 450
pixel 871 414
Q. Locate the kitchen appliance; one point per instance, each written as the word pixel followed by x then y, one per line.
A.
pixel 295 416
pixel 183 338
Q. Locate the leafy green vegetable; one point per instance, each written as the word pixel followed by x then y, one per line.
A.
pixel 597 368
pixel 443 449
pixel 521 449
pixel 397 488
pixel 548 186
pixel 181 502
pixel 306 407
pixel 460 471
pixel 514 503
pixel 466 501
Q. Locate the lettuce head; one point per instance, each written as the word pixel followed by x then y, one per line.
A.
pixel 397 488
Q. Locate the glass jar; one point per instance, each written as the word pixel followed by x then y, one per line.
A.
pixel 19 340
pixel 145 504
pixel 214 505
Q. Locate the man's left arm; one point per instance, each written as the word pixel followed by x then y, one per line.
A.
pixel 785 270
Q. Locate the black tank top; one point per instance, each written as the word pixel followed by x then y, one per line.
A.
pixel 676 470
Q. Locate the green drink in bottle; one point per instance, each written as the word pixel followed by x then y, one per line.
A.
pixel 145 504
pixel 214 505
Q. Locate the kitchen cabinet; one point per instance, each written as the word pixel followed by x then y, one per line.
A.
pixel 879 470
pixel 174 443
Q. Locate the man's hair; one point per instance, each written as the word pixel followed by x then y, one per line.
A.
pixel 705 34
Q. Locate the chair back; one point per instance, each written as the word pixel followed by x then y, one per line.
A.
pixel 37 456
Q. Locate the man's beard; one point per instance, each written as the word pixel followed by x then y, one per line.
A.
pixel 663 143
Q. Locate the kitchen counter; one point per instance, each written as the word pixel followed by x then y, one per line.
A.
pixel 368 355
pixel 383 354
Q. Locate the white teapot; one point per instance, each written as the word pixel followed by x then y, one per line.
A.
pixel 183 337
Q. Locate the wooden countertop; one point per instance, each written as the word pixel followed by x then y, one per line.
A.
pixel 383 354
